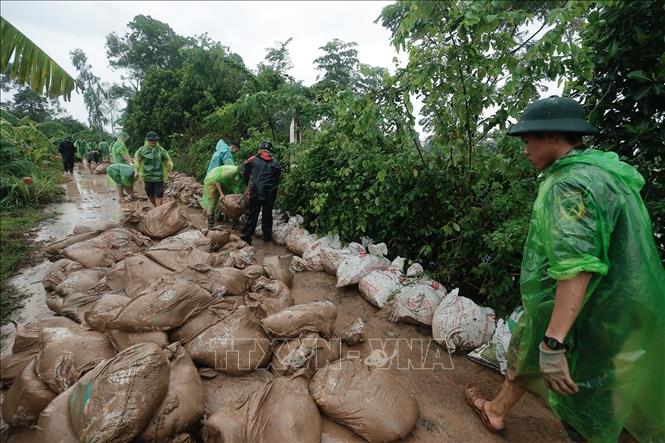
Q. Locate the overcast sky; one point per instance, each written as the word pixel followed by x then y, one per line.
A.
pixel 246 27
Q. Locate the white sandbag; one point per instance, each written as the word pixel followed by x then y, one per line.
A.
pixel 416 303
pixel 313 255
pixel 379 287
pixel 331 258
pixel 299 240
pixel 354 268
pixel 459 323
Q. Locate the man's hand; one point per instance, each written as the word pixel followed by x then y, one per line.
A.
pixel 554 369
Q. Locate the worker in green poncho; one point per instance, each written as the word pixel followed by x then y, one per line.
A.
pixel 592 286
pixel 81 149
pixel 153 164
pixel 119 152
pixel 122 176
pixel 218 182
pixel 103 148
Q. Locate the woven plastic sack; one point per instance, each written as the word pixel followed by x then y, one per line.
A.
pixel 316 317
pixel 460 324
pixel 163 221
pixel 379 287
pixel 233 205
pixel 107 248
pixel 354 268
pixel 332 258
pixel 416 303
pixel 27 397
pixel 279 268
pixel 299 240
pixel 314 253
pixel 58 272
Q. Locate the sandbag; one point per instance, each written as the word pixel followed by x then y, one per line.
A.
pixel 459 323
pixel 331 258
pixel 279 267
pixel 269 297
pixel 162 221
pixel 216 280
pixel 244 257
pixel 309 317
pixel 122 340
pixel 235 345
pixel 198 323
pixel 54 425
pixel 177 254
pixel 218 238
pixel 353 268
pixel 66 352
pixel 233 205
pixel 309 352
pixel 223 390
pixel 313 255
pixel 27 335
pixel 254 272
pixel 196 239
pixel 107 248
pixel 58 272
pixel 354 333
pixel 134 273
pixel 280 411
pixel 183 405
pixel 76 305
pixel 27 397
pixel 379 287
pixel 101 168
pixel 166 304
pixel 369 401
pixel 87 281
pixel 416 303
pixel 299 240
pixel 331 432
pixel 12 365
pixel 54 302
pixel 115 401
pixel 55 248
pixel 104 310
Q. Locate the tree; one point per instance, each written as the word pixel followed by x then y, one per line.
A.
pixel 31 65
pixel 278 58
pixel 28 103
pixel 149 44
pixel 93 95
pixel 337 65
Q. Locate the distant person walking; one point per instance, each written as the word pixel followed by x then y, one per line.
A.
pixel 223 154
pixel 119 152
pixel 262 173
pixel 153 164
pixel 67 150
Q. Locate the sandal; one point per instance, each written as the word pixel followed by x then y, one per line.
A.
pixel 472 394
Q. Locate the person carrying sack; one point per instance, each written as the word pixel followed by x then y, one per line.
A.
pixel 220 181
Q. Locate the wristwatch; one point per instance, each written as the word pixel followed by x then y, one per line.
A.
pixel 553 343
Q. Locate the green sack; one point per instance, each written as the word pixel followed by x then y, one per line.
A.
pixel 589 217
pixel 121 175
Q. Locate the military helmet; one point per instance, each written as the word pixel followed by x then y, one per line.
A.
pixel 152 136
pixel 553 114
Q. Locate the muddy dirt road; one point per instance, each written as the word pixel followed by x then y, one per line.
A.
pixel 433 377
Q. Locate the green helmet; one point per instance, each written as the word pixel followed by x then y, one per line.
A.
pixel 152 136
pixel 553 114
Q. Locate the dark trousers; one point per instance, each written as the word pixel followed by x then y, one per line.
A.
pixel 68 164
pixel 254 207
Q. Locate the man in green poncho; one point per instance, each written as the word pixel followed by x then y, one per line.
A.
pixel 153 164
pixel 218 182
pixel 592 286
pixel 119 152
pixel 103 148
pixel 122 176
pixel 81 150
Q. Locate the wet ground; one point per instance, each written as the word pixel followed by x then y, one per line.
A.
pixel 433 377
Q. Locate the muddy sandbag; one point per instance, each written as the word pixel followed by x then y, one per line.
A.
pixel 183 405
pixel 354 333
pixel 12 365
pixel 76 305
pixel 134 273
pixel 269 297
pixel 81 229
pixel 240 258
pixel 233 205
pixel 235 345
pixel 55 248
pixel 27 397
pixel 198 323
pixel 279 267
pixel 309 352
pixel 222 390
pixel 54 425
pixel 369 401
pixel 317 317
pixel 218 238
pixel 107 248
pixel 332 432
pixel 166 304
pixel 58 272
pixel 87 281
pixel 101 168
pixel 54 302
pixel 177 254
pixel 162 221
pixel 280 411
pixel 115 401
pixel 216 280
pixel 122 340
pixel 27 335
pixel 104 310
pixel 196 239
pixel 66 352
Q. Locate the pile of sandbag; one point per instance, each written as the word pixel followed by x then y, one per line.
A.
pixel 185 189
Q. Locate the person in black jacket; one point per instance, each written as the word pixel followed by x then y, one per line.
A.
pixel 261 173
pixel 66 150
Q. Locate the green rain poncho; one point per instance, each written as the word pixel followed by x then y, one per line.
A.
pixel 103 147
pixel 90 146
pixel 119 149
pixel 120 174
pixel 230 180
pixel 81 149
pixel 153 163
pixel 589 217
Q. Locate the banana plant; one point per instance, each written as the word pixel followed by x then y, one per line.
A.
pixel 26 63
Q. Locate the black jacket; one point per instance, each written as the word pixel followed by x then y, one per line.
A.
pixel 66 149
pixel 262 173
